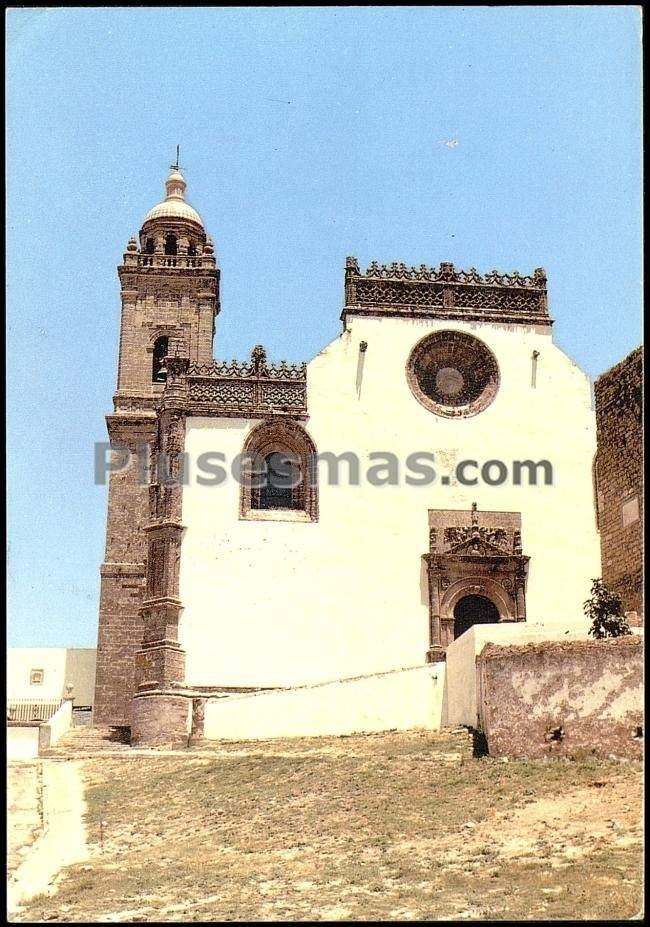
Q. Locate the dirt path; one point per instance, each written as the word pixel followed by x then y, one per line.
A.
pixel 24 822
pixel 60 841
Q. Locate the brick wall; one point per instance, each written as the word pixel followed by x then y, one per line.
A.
pixel 619 480
pixel 122 578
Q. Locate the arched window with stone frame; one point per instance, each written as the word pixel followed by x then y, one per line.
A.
pixel 279 473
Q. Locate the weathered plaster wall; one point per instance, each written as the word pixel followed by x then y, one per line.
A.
pixel 562 698
pixel 80 667
pixel 460 701
pixel 270 603
pixel 399 700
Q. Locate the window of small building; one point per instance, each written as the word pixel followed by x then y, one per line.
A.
pixel 36 677
pixel 149 246
pixel 171 244
pixel 630 511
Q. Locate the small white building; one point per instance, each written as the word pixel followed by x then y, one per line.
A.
pixel 49 674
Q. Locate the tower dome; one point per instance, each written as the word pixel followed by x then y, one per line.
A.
pixel 174 205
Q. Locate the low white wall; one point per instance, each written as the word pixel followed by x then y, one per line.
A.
pixel 397 700
pixel 63 840
pixel 22 742
pixel 459 701
pixel 54 729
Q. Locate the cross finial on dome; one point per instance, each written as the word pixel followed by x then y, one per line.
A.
pixel 176 166
pixel 175 184
pixel 174 206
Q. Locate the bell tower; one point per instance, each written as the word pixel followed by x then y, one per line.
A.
pixel 170 290
pixel 170 298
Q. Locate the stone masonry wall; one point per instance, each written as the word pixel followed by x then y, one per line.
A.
pixel 562 698
pixel 619 481
pixel 122 578
pixel 160 719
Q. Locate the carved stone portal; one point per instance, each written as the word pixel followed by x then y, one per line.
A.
pixel 473 553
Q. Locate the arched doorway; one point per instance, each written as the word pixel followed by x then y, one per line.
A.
pixel 473 609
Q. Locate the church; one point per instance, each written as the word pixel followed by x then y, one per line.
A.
pixel 344 568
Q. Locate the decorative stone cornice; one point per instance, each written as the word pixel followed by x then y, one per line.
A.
pixel 170 276
pixel 123 569
pixel 163 602
pixel 254 389
pixel 135 402
pixel 445 292
pixel 167 262
pixel 125 426
pixel 162 528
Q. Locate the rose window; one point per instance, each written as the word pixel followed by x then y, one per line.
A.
pixel 453 374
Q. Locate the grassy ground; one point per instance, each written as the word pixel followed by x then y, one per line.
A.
pixel 386 827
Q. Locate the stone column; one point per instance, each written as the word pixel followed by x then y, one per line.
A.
pixel 435 653
pixel 520 591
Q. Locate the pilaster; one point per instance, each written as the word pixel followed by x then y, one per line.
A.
pixel 160 711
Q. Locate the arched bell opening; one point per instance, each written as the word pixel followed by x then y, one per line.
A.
pixel 160 352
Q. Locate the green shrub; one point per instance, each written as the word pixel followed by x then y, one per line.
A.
pixel 605 611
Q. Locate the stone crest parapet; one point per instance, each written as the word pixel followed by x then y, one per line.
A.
pixel 254 389
pixel 446 292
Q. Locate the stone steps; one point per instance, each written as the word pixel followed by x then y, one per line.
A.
pixel 90 740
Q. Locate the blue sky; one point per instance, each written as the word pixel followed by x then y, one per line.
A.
pixel 306 135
